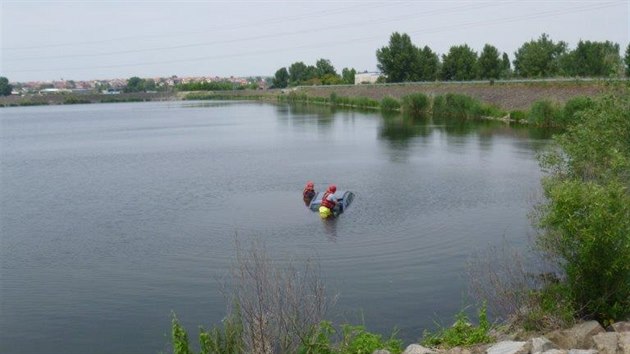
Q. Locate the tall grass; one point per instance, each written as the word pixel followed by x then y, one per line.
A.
pixel 416 104
pixel 389 104
pixel 459 106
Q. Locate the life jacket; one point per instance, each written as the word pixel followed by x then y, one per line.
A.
pixel 308 193
pixel 328 203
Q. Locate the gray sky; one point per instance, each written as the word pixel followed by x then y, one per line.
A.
pixel 82 40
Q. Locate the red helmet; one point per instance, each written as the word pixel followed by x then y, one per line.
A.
pixel 310 184
pixel 332 188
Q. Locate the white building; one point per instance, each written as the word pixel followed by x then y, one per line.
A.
pixel 366 78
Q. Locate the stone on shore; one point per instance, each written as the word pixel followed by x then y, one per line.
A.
pixel 417 349
pixel 541 344
pixel 579 336
pixel 509 347
pixel 620 327
pixel 606 343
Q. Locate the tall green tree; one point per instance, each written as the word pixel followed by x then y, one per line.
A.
pixel 298 72
pixel 600 59
pixel 539 58
pixel 5 86
pixel 281 78
pixel 149 85
pixel 325 67
pixel 490 65
pixel 460 64
pixel 399 60
pixel 429 64
pixel 347 76
pixel 627 60
pixel 134 84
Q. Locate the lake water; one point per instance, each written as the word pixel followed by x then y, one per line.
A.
pixel 113 216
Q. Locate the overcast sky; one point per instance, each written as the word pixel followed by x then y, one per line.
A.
pixel 83 40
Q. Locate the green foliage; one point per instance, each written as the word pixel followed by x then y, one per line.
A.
pixel 545 113
pixel 462 107
pixel 539 58
pixel 589 226
pixel 281 78
pixel 358 102
pixel 179 337
pixel 389 104
pixel 325 67
pixel 592 59
pixel 518 115
pixel 490 65
pixel 75 100
pixel 134 84
pixel 357 340
pixel 626 59
pixel 586 219
pixel 354 340
pixel 415 104
pixel 225 339
pixel 429 64
pixel 299 73
pixel 347 76
pixel 5 87
pixel 459 64
pixel 399 60
pixel 549 308
pixel 209 86
pixel 573 107
pixel 461 333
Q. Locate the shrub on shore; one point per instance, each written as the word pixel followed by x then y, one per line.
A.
pixel 389 104
pixel 416 104
pixel 462 107
pixel 545 113
pixel 586 218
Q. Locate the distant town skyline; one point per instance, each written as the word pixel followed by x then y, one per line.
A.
pixel 89 40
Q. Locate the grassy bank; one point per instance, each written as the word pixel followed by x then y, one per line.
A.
pixel 70 98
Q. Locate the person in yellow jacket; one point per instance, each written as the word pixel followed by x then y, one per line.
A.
pixel 328 202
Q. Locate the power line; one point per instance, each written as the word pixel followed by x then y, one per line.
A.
pixel 353 40
pixel 266 36
pixel 205 30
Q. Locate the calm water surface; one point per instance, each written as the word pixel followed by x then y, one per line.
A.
pixel 113 216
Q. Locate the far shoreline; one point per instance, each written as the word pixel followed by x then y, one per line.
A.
pixel 508 95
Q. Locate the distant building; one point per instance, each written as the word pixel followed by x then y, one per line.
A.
pixel 366 78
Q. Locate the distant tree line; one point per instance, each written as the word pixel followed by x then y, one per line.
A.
pixel 322 73
pixel 215 86
pixel 402 61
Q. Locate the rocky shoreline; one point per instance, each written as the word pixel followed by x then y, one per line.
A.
pixel 584 338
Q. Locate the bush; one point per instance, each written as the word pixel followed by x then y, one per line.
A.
pixel 354 340
pixel 572 107
pixel 586 219
pixel 462 107
pixel 589 228
pixel 545 113
pixel 518 115
pixel 389 104
pixel 461 333
pixel 548 308
pixel 415 104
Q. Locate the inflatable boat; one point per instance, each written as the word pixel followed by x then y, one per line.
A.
pixel 344 199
